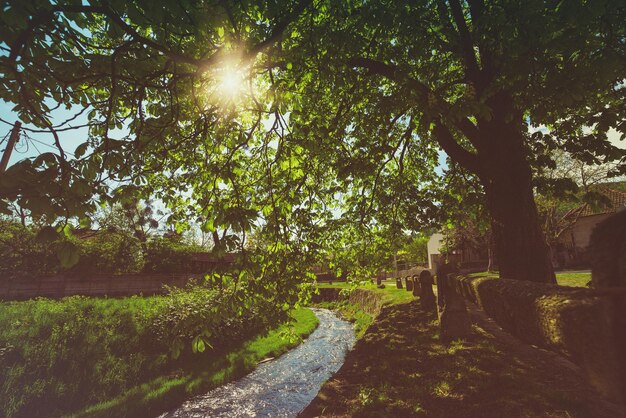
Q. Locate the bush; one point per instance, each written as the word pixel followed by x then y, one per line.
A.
pixel 59 356
pixel 21 255
pixel 108 253
pixel 212 317
pixel 166 256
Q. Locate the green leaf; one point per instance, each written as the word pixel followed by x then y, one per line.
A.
pixel 81 149
pixel 85 222
pixel 197 345
pixel 68 254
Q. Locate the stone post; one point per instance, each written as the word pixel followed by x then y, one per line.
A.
pixel 454 320
pixel 427 297
pixel 398 283
pixel 608 276
pixel 417 286
pixel 409 283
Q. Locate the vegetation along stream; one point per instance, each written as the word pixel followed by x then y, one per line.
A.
pixel 282 387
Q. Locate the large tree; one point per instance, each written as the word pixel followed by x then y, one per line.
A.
pixel 473 77
pixel 345 107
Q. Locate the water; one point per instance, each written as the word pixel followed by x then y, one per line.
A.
pixel 282 387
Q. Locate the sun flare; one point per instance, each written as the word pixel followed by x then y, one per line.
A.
pixel 230 83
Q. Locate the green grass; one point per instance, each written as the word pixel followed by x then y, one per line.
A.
pixel 563 278
pixel 391 295
pixel 63 353
pixel 60 356
pixel 573 279
pixel 167 392
pixel 354 313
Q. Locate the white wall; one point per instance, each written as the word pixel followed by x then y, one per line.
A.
pixel 434 243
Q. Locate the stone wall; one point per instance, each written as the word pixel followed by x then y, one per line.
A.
pixel 569 321
pixel 61 286
pixel 369 301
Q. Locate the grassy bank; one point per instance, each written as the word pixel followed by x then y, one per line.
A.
pixel 167 392
pixel 60 356
pixel 563 278
pixel 353 309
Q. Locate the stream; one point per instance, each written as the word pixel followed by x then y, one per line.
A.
pixel 282 387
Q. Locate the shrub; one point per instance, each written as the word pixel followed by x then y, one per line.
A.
pixel 57 356
pixel 166 256
pixel 108 253
pixel 21 255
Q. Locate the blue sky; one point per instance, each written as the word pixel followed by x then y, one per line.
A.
pixel 36 143
pixel 41 142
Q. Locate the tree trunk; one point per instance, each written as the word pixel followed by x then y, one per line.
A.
pixel 519 241
pixel 491 254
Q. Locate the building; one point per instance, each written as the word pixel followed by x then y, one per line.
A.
pixel 434 250
pixel 572 250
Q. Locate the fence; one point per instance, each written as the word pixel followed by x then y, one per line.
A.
pixel 123 285
pixel 572 322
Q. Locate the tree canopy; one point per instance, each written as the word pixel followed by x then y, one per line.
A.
pixel 295 118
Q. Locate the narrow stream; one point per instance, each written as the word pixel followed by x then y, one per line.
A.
pixel 282 387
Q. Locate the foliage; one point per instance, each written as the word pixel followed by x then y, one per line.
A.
pixel 162 255
pixel 344 110
pixel 212 318
pixel 567 184
pixel 22 254
pixel 415 249
pixel 139 219
pixel 26 254
pixel 108 253
pixel 205 373
pixel 58 356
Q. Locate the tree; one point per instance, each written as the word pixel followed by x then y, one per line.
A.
pixel 471 77
pixel 464 214
pixel 564 186
pixel 344 107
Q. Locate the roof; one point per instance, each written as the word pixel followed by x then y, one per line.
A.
pixel 617 201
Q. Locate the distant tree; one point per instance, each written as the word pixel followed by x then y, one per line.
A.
pixel 564 185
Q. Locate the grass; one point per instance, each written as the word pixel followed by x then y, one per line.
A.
pixel 167 392
pixel 60 356
pixel 390 294
pixel 400 367
pixel 354 313
pixel 563 278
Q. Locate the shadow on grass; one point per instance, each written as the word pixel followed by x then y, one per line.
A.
pixel 203 374
pixel 401 368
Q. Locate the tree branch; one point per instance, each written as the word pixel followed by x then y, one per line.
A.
pixel 459 154
pixel 465 41
pixel 393 73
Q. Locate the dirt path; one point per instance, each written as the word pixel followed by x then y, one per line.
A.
pixel 400 368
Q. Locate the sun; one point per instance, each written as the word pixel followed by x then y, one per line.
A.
pixel 230 83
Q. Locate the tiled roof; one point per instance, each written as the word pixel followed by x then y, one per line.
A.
pixel 616 197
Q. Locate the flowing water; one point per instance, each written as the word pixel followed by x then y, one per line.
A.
pixel 282 387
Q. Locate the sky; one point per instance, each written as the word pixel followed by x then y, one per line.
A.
pixel 32 144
